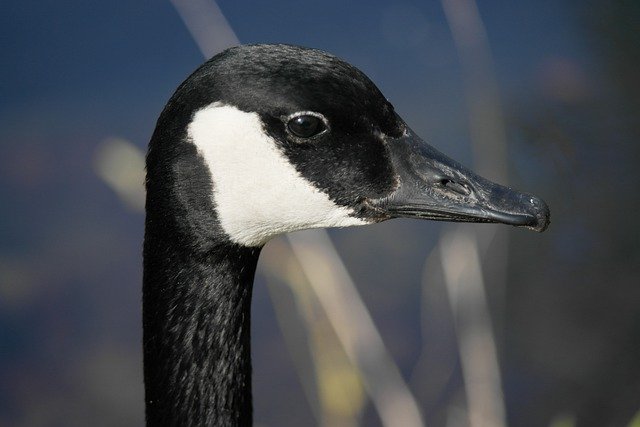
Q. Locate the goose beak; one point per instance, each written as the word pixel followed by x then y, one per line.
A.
pixel 433 186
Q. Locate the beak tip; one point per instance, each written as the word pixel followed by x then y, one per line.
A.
pixel 541 211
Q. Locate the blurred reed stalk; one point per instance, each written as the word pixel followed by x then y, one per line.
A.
pixel 462 270
pixel 464 250
pixel 354 327
pixel 120 164
pixel 326 274
pixel 207 25
pixel 335 393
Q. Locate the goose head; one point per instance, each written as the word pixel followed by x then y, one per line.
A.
pixel 266 139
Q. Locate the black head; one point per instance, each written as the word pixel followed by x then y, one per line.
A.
pixel 286 138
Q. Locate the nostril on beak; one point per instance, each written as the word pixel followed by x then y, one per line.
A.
pixel 454 186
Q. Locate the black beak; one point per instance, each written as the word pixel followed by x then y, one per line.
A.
pixel 433 186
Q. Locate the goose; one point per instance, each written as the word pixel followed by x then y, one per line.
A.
pixel 259 141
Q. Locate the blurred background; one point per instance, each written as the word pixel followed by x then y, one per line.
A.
pixel 481 325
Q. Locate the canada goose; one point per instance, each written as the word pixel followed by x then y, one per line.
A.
pixel 258 141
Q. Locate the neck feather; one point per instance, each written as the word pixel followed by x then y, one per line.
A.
pixel 196 316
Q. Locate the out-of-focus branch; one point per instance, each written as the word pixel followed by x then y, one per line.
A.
pixel 437 364
pixel 462 249
pixel 207 25
pixel 486 123
pixel 486 127
pixel 354 327
pixel 335 393
pixel 463 277
pixel 121 165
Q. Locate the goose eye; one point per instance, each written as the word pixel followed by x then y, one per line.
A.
pixel 306 126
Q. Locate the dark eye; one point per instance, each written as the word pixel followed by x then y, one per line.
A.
pixel 306 125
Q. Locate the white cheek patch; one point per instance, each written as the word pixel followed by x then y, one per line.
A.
pixel 257 192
